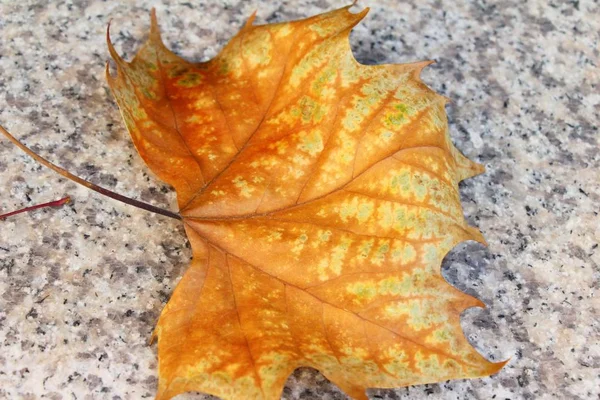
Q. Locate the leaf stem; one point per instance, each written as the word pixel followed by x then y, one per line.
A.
pixel 89 185
pixel 54 203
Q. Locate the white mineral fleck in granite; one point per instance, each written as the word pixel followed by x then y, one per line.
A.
pixel 82 286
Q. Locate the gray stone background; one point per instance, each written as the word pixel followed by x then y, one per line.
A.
pixel 82 286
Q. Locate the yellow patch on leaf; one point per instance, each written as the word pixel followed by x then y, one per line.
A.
pixel 319 196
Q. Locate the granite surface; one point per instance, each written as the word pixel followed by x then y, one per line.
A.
pixel 82 286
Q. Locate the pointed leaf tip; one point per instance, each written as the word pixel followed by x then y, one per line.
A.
pixel 475 302
pixel 446 99
pixel 478 168
pixel 476 235
pixel 154 29
pixel 362 13
pixel 111 49
pixel 107 74
pixel 251 19
pixel 496 367
pixel 420 66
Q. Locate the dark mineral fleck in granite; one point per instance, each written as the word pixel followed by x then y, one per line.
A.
pixel 81 287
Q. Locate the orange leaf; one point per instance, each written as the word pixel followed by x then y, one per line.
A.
pixel 320 196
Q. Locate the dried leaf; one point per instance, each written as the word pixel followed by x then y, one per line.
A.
pixel 320 196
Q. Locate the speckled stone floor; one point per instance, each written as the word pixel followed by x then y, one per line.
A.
pixel 82 286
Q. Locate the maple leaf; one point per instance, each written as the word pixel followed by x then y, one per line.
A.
pixel 319 196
